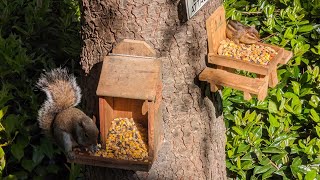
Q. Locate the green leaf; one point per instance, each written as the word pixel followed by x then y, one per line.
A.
pixel 243 148
pixel 318 130
pixel 282 103
pixel 2 160
pixel 17 151
pixel 10 123
pixel 256 133
pixel 27 164
pixel 238 130
pixel 311 175
pixel 295 87
pixel 315 72
pixel 252 116
pixel 37 155
pixel 273 150
pixel 269 173
pixel 52 168
pixel 314 116
pixel 3 112
pixel 230 153
pixel 21 174
pixel 292 18
pixel 41 170
pixel 272 107
pixel 273 121
pixel 261 169
pixel 314 101
pixel 305 28
pixel 279 95
pixel 290 95
pixel 246 165
pixel 288 108
pixel 258 153
pixel 46 147
pixel 296 161
pixel 264 161
pixel 238 162
pixel 288 34
pixel 247 157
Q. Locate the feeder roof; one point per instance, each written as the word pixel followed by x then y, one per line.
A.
pixel 133 77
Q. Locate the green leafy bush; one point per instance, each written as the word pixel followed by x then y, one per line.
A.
pixel 34 35
pixel 278 138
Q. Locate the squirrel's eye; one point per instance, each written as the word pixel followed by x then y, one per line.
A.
pixel 86 135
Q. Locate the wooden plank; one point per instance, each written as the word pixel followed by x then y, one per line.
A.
pixel 246 96
pixel 109 103
pixel 263 91
pixel 226 68
pixel 134 47
pixel 144 108
pixel 129 77
pixel 237 64
pixel 273 78
pixel 224 78
pixel 151 116
pixel 111 163
pixel 277 48
pixel 216 29
pixel 130 108
pixel 214 87
pixel 273 64
pixel 102 121
pixel 287 55
pixel 106 116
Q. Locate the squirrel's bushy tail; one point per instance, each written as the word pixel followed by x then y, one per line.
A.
pixel 62 92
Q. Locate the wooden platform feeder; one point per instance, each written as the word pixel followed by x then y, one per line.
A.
pixel 129 87
pixel 223 74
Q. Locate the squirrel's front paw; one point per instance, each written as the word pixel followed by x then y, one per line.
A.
pixel 71 155
pixel 93 148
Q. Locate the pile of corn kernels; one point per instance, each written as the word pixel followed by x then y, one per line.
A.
pixel 252 53
pixel 126 140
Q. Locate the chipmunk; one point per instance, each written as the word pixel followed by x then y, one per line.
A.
pixel 59 118
pixel 238 32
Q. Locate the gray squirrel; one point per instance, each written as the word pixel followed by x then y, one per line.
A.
pixel 59 118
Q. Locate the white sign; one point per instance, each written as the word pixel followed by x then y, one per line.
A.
pixel 193 6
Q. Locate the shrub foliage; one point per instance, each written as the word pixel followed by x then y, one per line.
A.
pixel 34 36
pixel 278 138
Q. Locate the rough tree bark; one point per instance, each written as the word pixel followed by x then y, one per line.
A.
pixel 194 131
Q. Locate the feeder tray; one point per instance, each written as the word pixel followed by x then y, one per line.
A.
pixel 129 87
pixel 223 74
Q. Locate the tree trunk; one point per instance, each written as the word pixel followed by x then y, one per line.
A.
pixel 194 131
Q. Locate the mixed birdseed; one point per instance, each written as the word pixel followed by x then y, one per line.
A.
pixel 126 140
pixel 252 53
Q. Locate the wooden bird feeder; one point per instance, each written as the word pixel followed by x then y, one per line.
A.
pixel 223 74
pixel 129 87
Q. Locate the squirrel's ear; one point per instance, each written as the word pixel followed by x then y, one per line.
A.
pixel 81 124
pixel 94 118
